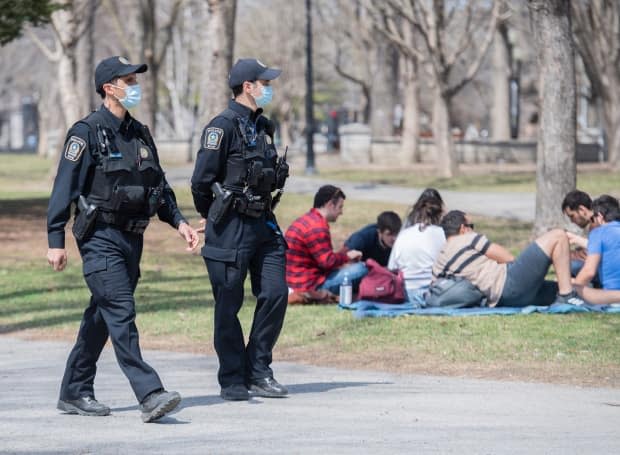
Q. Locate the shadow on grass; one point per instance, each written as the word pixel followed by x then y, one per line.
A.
pixel 32 208
pixel 146 302
pixel 30 292
pixel 148 290
pixel 47 321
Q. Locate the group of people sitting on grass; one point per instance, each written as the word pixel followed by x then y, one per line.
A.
pixel 433 243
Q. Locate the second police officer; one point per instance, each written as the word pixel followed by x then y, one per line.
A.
pixel 237 170
pixel 110 170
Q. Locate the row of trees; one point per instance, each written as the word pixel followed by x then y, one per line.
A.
pixel 429 56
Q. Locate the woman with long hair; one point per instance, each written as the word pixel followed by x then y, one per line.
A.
pixel 418 245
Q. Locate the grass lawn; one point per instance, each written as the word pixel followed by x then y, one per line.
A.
pixel 594 181
pixel 175 307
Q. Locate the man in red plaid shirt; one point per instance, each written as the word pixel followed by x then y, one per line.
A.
pixel 311 262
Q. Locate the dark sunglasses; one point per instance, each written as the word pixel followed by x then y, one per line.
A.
pixel 469 225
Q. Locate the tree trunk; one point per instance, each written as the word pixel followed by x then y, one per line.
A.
pixel 384 89
pixel 284 131
pixel 85 59
pixel 555 167
pixel 43 139
pixel 447 166
pixel 409 139
pixel 500 120
pixel 218 57
pixel 48 120
pixel 69 102
pixel 64 22
pixel 596 29
pixel 611 117
pixel 149 81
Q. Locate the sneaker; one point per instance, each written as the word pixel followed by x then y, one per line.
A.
pixel 84 406
pixel 571 298
pixel 158 404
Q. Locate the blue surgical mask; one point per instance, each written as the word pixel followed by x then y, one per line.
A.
pixel 133 95
pixel 265 97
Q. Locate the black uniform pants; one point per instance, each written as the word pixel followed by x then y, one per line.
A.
pixel 235 246
pixel 111 261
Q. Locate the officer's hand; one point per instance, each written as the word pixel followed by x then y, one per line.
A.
pixel 57 258
pixel 190 235
pixel 203 225
pixel 354 255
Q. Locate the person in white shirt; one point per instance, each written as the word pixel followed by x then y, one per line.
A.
pixel 418 245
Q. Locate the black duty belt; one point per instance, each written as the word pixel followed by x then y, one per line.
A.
pixel 124 223
pixel 251 208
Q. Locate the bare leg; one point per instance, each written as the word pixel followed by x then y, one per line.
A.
pixel 555 245
pixel 598 296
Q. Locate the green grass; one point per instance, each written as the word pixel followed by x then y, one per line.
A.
pixel 175 303
pixel 23 167
pixel 175 307
pixel 24 175
pixel 593 182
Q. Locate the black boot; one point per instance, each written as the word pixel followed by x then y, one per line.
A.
pixel 158 404
pixel 84 406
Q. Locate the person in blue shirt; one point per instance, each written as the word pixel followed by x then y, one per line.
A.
pixel 375 241
pixel 603 253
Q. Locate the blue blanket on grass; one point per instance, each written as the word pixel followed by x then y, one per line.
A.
pixel 369 309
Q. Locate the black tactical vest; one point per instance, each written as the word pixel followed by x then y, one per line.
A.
pixel 128 173
pixel 251 167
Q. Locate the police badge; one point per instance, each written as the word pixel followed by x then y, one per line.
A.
pixel 75 147
pixel 213 138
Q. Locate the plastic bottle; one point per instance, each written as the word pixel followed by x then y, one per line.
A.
pixel 346 290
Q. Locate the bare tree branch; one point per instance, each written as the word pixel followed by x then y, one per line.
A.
pixel 465 39
pixel 118 28
pixel 481 52
pixel 51 55
pixel 167 30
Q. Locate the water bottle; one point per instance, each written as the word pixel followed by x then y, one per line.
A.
pixel 346 290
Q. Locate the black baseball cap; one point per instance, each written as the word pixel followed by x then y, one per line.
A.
pixel 113 67
pixel 250 69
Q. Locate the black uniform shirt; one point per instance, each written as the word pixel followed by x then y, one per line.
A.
pixel 75 173
pixel 219 140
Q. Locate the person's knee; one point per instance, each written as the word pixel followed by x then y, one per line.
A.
pixel 556 235
pixel 551 238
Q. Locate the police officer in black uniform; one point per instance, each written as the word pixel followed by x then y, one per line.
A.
pixel 237 172
pixel 110 171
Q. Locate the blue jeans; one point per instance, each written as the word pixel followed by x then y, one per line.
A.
pixel 416 296
pixel 356 272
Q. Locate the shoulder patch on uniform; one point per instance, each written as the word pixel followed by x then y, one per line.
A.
pixel 75 147
pixel 213 138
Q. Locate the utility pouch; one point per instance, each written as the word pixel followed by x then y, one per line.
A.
pixel 221 204
pixel 84 222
